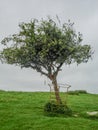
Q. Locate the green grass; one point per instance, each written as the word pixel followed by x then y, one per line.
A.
pixel 24 111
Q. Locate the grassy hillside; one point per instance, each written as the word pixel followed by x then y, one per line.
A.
pixel 24 111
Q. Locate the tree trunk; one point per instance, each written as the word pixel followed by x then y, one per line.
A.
pixel 56 90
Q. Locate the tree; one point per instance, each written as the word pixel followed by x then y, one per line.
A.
pixel 45 46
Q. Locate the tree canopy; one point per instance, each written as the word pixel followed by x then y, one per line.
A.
pixel 44 46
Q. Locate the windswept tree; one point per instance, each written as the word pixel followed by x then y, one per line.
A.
pixel 45 46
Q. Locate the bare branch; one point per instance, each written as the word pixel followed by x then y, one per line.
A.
pixel 58 69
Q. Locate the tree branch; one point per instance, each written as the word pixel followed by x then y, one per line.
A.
pixel 38 69
pixel 58 69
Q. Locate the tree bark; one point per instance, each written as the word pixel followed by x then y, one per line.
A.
pixel 56 89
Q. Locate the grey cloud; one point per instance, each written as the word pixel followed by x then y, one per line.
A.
pixel 85 16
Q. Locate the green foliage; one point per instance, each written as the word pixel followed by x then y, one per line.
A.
pixel 54 109
pixel 82 91
pixel 77 92
pixel 73 93
pixel 44 46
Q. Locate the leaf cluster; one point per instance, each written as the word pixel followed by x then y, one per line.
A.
pixel 44 46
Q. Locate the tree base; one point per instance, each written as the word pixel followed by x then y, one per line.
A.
pixel 53 109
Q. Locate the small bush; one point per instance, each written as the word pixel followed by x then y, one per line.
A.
pixel 73 93
pixel 53 109
pixel 77 92
pixel 81 91
pixel 2 90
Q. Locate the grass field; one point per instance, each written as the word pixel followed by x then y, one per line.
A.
pixel 24 111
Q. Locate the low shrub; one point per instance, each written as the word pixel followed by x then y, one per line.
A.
pixel 53 109
pixel 73 92
pixel 77 92
pixel 2 90
pixel 81 91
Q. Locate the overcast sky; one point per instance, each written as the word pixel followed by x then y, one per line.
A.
pixel 84 13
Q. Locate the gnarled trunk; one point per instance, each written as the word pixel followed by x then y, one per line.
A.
pixel 56 89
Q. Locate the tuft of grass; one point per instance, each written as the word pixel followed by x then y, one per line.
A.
pixel 25 111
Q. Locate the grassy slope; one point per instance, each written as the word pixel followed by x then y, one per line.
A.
pixel 24 111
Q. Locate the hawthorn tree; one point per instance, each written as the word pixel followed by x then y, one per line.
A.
pixel 45 46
